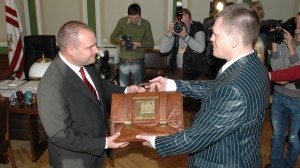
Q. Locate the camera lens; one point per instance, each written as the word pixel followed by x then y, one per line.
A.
pixel 276 36
pixel 178 27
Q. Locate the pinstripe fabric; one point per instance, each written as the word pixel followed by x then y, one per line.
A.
pixel 226 131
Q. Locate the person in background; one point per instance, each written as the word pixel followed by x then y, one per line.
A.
pixel 288 74
pixel 134 34
pixel 285 76
pixel 183 45
pixel 260 49
pixel 227 130
pixel 258 7
pixel 214 62
pixel 72 99
pixel 285 105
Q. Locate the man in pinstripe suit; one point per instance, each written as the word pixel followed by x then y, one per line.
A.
pixel 226 131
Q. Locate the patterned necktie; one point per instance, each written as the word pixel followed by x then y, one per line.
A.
pixel 88 84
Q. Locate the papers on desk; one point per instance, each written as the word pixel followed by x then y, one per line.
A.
pixel 29 86
pixel 2 92
pixel 7 93
pixel 7 87
pixel 10 83
pixel 4 84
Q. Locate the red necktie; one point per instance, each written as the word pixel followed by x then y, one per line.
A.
pixel 88 84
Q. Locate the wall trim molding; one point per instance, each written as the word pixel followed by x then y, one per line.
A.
pixel 85 11
pixel 91 14
pixel 38 16
pixel 3 50
pixel 170 12
pixel 27 19
pixel 98 22
pixel 32 18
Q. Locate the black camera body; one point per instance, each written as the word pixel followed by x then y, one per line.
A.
pixel 178 26
pixel 277 36
pixel 128 45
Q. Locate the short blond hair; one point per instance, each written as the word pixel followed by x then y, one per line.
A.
pixel 260 49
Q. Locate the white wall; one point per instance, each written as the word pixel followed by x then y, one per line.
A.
pixel 52 14
pixel 199 9
pixel 279 9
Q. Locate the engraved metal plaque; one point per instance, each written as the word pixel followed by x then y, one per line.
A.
pixel 145 107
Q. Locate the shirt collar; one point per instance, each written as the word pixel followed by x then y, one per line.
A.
pixel 227 64
pixel 75 68
pixel 138 23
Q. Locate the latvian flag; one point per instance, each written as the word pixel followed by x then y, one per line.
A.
pixel 14 39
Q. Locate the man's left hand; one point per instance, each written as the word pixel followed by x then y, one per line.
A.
pixel 112 144
pixel 147 139
pixel 136 45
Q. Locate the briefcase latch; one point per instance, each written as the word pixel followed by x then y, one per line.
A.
pixel 127 124
pixel 163 123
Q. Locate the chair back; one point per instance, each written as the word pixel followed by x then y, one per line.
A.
pixel 155 64
pixel 4 103
pixel 6 152
pixel 34 48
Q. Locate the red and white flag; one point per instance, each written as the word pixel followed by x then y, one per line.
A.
pixel 14 39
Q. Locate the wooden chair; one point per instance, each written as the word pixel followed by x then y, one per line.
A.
pixel 6 153
pixel 155 64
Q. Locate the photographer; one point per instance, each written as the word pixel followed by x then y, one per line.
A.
pixel 133 34
pixel 286 99
pixel 214 62
pixel 183 44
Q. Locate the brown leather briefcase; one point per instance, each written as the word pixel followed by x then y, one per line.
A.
pixel 149 113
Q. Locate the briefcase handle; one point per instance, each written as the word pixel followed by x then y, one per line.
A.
pixel 147 84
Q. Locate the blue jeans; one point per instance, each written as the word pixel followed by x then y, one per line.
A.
pixel 285 110
pixel 135 68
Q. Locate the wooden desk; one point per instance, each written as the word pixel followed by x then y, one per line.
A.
pixel 37 146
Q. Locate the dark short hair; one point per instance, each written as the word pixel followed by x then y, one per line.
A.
pixel 243 19
pixel 134 9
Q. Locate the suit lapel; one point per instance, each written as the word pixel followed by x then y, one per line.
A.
pixel 237 65
pixel 231 70
pixel 74 80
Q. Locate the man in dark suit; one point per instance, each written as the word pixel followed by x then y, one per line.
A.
pixel 74 118
pixel 226 131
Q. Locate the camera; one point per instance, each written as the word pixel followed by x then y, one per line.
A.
pixel 277 36
pixel 128 45
pixel 178 26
